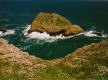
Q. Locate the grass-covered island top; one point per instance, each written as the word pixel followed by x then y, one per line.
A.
pixel 54 24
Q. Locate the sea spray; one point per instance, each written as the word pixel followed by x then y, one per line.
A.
pixel 46 37
pixel 8 32
pixel 90 34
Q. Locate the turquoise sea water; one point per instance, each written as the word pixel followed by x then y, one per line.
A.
pixel 16 16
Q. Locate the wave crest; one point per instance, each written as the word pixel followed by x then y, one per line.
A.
pixel 90 34
pixel 8 32
pixel 48 38
pixel 43 36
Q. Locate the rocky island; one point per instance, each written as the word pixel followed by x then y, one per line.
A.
pixel 87 63
pixel 54 24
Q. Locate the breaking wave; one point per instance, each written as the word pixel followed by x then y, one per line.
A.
pixel 8 32
pixel 44 36
pixel 48 38
pixel 90 34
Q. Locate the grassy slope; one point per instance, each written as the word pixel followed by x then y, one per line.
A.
pixel 89 62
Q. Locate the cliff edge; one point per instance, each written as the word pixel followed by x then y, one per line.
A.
pixel 87 63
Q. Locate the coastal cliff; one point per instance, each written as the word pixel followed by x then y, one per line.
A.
pixel 54 24
pixel 86 63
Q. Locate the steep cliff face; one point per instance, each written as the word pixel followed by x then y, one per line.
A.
pixel 54 24
pixel 89 62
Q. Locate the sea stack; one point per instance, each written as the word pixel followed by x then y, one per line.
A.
pixel 54 24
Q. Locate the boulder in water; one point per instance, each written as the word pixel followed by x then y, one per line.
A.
pixel 3 30
pixel 54 24
pixel 97 33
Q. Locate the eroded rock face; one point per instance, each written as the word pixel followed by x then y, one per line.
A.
pixel 54 24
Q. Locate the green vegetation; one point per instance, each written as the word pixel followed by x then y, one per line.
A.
pixel 87 63
pixel 51 20
pixel 54 24
pixel 64 23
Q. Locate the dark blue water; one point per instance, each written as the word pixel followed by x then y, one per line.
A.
pixel 16 15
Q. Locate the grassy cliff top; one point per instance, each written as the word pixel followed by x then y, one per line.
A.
pixel 87 63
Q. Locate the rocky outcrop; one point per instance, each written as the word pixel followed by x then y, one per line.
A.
pixel 86 63
pixel 97 33
pixel 54 24
pixel 6 48
pixel 3 30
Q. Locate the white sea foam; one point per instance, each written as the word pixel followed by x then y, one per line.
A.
pixel 43 36
pixel 8 32
pixel 48 38
pixel 90 34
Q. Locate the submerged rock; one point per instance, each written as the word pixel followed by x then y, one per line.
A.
pixel 3 30
pixel 54 24
pixel 97 33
